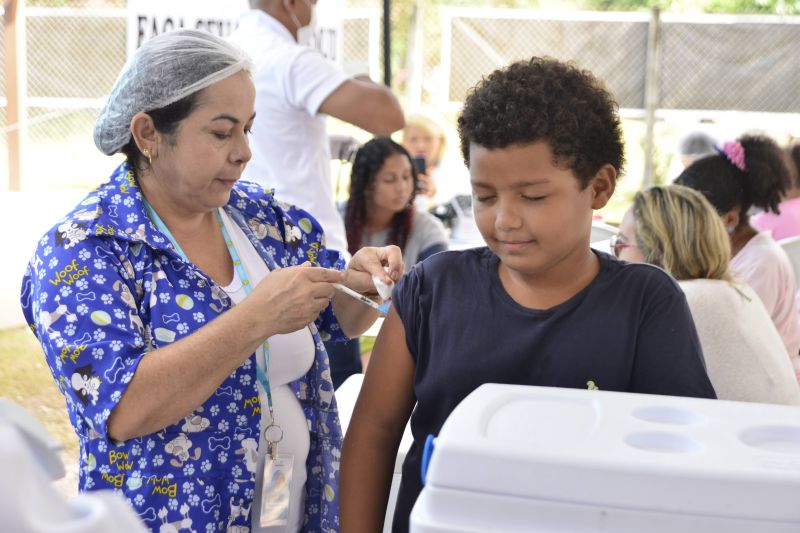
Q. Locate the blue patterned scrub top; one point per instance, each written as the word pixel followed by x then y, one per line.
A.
pixel 105 287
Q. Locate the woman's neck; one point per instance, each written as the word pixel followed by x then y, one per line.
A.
pixel 181 221
pixel 740 237
pixel 378 220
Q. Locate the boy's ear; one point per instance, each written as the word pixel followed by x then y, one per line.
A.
pixel 603 184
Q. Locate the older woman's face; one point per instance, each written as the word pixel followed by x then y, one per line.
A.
pixel 626 247
pixel 198 165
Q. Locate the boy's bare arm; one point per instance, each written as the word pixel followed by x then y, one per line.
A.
pixel 375 430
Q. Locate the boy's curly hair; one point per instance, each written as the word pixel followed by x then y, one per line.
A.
pixel 545 100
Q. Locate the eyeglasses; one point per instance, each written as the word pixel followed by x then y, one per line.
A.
pixel 617 244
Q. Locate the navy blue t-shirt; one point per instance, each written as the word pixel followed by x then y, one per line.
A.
pixel 629 330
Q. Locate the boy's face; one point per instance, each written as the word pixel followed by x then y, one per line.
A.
pixel 531 213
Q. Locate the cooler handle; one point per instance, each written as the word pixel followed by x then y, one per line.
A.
pixel 427 452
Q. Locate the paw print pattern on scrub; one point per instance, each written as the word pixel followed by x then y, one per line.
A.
pixel 103 289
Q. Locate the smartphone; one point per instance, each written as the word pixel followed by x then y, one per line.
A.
pixel 419 164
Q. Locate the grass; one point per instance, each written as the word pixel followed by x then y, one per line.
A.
pixel 26 380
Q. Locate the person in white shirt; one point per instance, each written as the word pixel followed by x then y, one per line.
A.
pixel 752 172
pixel 676 228
pixel 296 87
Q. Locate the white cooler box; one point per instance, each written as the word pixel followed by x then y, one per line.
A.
pixel 538 459
pixel 29 503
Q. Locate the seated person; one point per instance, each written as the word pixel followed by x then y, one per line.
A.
pixel 677 229
pixel 695 145
pixel 535 307
pixel 444 177
pixel 751 172
pixel 786 222
pixel 381 204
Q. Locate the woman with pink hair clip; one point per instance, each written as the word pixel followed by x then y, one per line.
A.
pixel 751 172
pixel 786 223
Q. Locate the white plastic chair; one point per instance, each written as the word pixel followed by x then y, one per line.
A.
pixel 602 231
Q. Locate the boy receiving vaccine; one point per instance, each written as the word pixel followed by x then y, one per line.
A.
pixel 537 306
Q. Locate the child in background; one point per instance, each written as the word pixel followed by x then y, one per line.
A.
pixel 543 143
pixel 786 223
pixel 677 229
pixel 748 172
pixel 381 204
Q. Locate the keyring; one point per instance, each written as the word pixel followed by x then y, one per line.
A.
pixel 276 431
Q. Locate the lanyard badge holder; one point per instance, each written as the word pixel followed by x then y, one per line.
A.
pixel 276 484
pixel 278 467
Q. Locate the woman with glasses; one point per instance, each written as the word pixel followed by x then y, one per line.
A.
pixel 677 229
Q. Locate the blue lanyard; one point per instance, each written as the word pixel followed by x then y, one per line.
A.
pixel 261 373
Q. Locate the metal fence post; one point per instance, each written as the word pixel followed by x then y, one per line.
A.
pixel 387 43
pixel 651 94
pixel 415 62
pixel 16 116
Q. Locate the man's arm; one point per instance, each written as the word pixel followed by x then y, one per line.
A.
pixel 365 104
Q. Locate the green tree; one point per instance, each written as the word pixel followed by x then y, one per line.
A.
pixel 775 7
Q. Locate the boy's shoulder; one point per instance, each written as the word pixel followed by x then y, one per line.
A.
pixel 643 275
pixel 451 268
pixel 455 260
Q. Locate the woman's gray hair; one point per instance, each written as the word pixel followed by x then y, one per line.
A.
pixel 165 69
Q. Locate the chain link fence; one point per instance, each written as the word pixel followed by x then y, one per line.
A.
pixel 75 49
pixel 739 63
pixel 613 48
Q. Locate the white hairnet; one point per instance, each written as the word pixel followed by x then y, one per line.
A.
pixel 164 70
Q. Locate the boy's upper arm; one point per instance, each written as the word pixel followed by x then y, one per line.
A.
pixel 388 389
pixel 387 395
pixel 669 357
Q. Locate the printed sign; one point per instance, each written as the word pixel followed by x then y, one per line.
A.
pixel 148 18
pixel 328 35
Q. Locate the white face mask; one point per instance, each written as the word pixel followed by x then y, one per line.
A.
pixel 305 34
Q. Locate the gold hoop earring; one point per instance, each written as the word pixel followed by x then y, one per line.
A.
pixel 146 153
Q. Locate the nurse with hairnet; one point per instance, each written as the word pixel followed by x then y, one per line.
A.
pixel 182 312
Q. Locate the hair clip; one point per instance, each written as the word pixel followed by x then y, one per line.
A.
pixel 733 151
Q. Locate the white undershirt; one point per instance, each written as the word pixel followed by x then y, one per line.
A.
pixel 291 356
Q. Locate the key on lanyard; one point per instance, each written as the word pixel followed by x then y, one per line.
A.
pixel 273 434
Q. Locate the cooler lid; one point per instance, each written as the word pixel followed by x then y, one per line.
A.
pixel 638 451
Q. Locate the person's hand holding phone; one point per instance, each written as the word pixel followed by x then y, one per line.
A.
pixel 425 185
